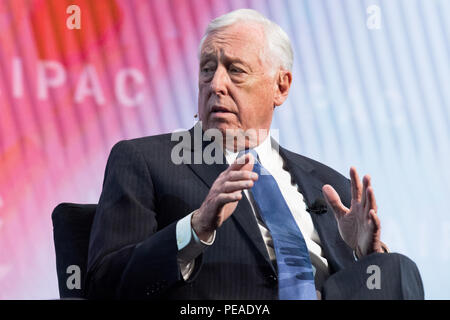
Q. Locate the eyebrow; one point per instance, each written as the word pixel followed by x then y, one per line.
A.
pixel 208 56
pixel 212 56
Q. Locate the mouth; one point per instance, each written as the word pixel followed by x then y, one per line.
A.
pixel 218 110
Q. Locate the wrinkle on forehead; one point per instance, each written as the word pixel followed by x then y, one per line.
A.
pixel 235 37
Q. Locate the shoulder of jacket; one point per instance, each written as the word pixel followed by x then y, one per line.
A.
pixel 323 171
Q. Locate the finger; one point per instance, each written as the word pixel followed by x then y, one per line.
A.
pixel 334 201
pixel 242 175
pixel 366 183
pixel 237 165
pixel 249 165
pixel 224 198
pixel 356 185
pixel 232 186
pixel 243 160
pixel 371 203
pixel 376 240
pixel 376 221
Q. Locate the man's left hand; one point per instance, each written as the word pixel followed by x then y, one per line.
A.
pixel 359 226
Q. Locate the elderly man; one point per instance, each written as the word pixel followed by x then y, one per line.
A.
pixel 264 223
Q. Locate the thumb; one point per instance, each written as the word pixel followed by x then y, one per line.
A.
pixel 250 163
pixel 334 201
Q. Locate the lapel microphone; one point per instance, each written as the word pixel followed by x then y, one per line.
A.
pixel 319 206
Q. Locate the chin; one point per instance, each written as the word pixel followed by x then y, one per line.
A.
pixel 223 126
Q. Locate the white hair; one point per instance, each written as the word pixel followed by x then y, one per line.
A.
pixel 279 49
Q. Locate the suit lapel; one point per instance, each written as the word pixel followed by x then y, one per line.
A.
pixel 325 223
pixel 311 189
pixel 302 173
pixel 245 218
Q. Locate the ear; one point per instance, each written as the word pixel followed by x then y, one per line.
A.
pixel 282 86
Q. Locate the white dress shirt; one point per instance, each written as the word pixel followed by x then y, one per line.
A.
pixel 190 246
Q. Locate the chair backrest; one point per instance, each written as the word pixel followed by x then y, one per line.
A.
pixel 71 231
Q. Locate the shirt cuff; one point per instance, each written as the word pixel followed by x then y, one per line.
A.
pixel 190 246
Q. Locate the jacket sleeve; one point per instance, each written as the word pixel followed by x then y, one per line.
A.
pixel 129 258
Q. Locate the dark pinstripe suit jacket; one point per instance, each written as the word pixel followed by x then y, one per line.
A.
pixel 133 249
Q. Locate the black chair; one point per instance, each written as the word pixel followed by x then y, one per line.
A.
pixel 71 231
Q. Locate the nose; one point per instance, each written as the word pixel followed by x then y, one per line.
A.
pixel 220 81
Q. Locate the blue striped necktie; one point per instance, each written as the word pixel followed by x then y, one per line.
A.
pixel 295 273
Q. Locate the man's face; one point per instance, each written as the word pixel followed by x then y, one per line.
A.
pixel 236 89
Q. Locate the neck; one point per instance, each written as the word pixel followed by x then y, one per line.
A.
pixel 238 142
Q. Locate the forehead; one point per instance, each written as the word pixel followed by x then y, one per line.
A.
pixel 241 40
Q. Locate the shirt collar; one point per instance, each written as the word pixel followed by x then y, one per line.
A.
pixel 264 150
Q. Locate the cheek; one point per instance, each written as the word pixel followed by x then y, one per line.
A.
pixel 257 105
pixel 202 98
pixel 262 98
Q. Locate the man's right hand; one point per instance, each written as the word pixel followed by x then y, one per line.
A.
pixel 223 197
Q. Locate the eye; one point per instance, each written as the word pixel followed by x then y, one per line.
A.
pixel 235 69
pixel 208 68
